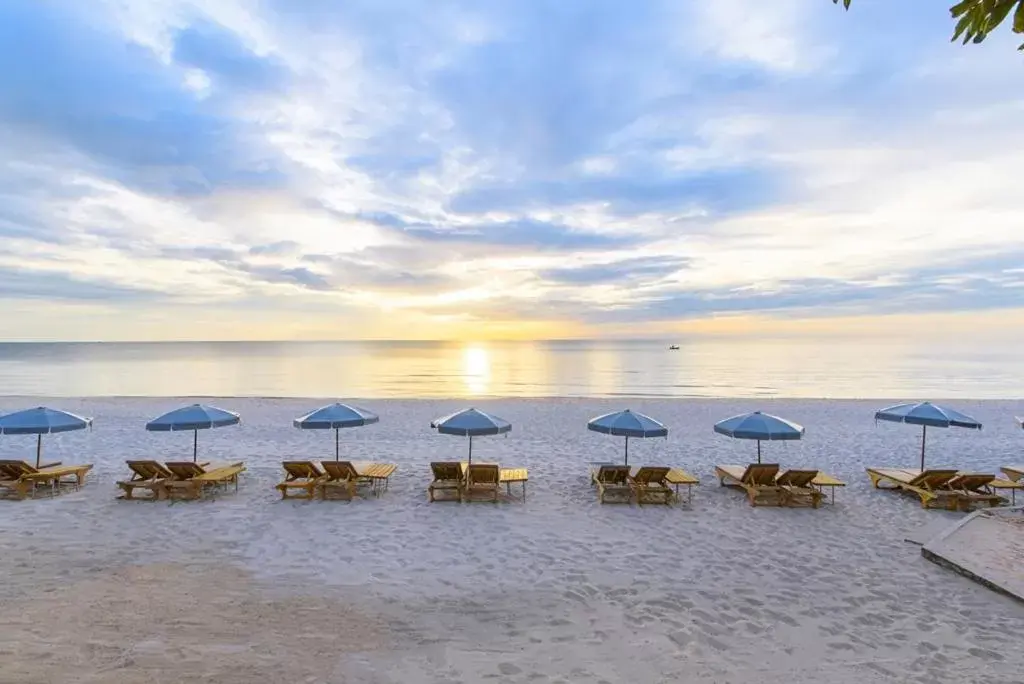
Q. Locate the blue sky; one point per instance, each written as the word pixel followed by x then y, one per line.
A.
pixel 387 168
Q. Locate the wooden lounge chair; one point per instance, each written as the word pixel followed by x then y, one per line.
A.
pixel 146 475
pixel 1014 473
pixel 447 479
pixel 931 486
pixel 22 479
pixel 302 477
pixel 650 485
pixel 798 488
pixel 612 482
pixel 757 480
pixel 341 479
pixel 975 488
pixel 483 481
pixel 193 480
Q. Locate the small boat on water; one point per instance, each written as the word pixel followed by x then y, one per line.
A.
pixel 673 347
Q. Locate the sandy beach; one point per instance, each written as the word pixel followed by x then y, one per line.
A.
pixel 246 588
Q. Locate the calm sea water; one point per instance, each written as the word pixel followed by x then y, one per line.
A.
pixel 701 368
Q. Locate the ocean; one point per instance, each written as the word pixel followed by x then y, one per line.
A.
pixel 704 367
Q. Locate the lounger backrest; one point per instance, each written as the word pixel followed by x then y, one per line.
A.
pixel 301 469
pixel 933 479
pixel 446 470
pixel 16 469
pixel 185 470
pixel 482 473
pixel 339 471
pixel 613 474
pixel 760 474
pixel 796 478
pixel 648 474
pixel 971 482
pixel 149 470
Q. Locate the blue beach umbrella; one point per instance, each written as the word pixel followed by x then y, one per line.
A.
pixel 627 424
pixel 926 414
pixel 759 426
pixel 471 423
pixel 195 418
pixel 335 417
pixel 41 421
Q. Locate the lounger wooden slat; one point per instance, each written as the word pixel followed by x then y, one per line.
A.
pixel 23 480
pixel 612 482
pixel 981 489
pixel 930 486
pixel 483 482
pixel 650 485
pixel 448 478
pixel 1014 473
pixel 340 479
pixel 201 479
pixel 798 486
pixel 756 479
pixel 301 477
pixel 147 476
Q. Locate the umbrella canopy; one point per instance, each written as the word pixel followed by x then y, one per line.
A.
pixel 41 421
pixel 195 418
pixel 759 426
pixel 471 423
pixel 335 417
pixel 926 414
pixel 627 424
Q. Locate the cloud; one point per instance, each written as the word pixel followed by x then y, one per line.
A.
pixel 596 163
pixel 640 268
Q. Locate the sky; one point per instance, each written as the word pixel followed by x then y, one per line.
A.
pixel 480 169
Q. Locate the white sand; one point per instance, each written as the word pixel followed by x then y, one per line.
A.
pixel 247 588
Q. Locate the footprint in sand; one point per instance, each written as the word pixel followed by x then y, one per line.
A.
pixel 508 669
pixel 985 653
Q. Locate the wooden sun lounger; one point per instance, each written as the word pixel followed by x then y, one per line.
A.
pixel 340 477
pixel 931 486
pixel 799 488
pixel 146 475
pixel 757 480
pixel 979 488
pixel 612 482
pixel 483 481
pixel 650 485
pixel 1014 473
pixel 193 480
pixel 345 477
pixel 302 477
pixel 22 479
pixel 447 478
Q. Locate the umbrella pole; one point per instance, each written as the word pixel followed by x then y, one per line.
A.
pixel 195 446
pixel 471 449
pixel 924 438
pixel 39 448
pixel 758 451
pixel 627 449
pixel 337 453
